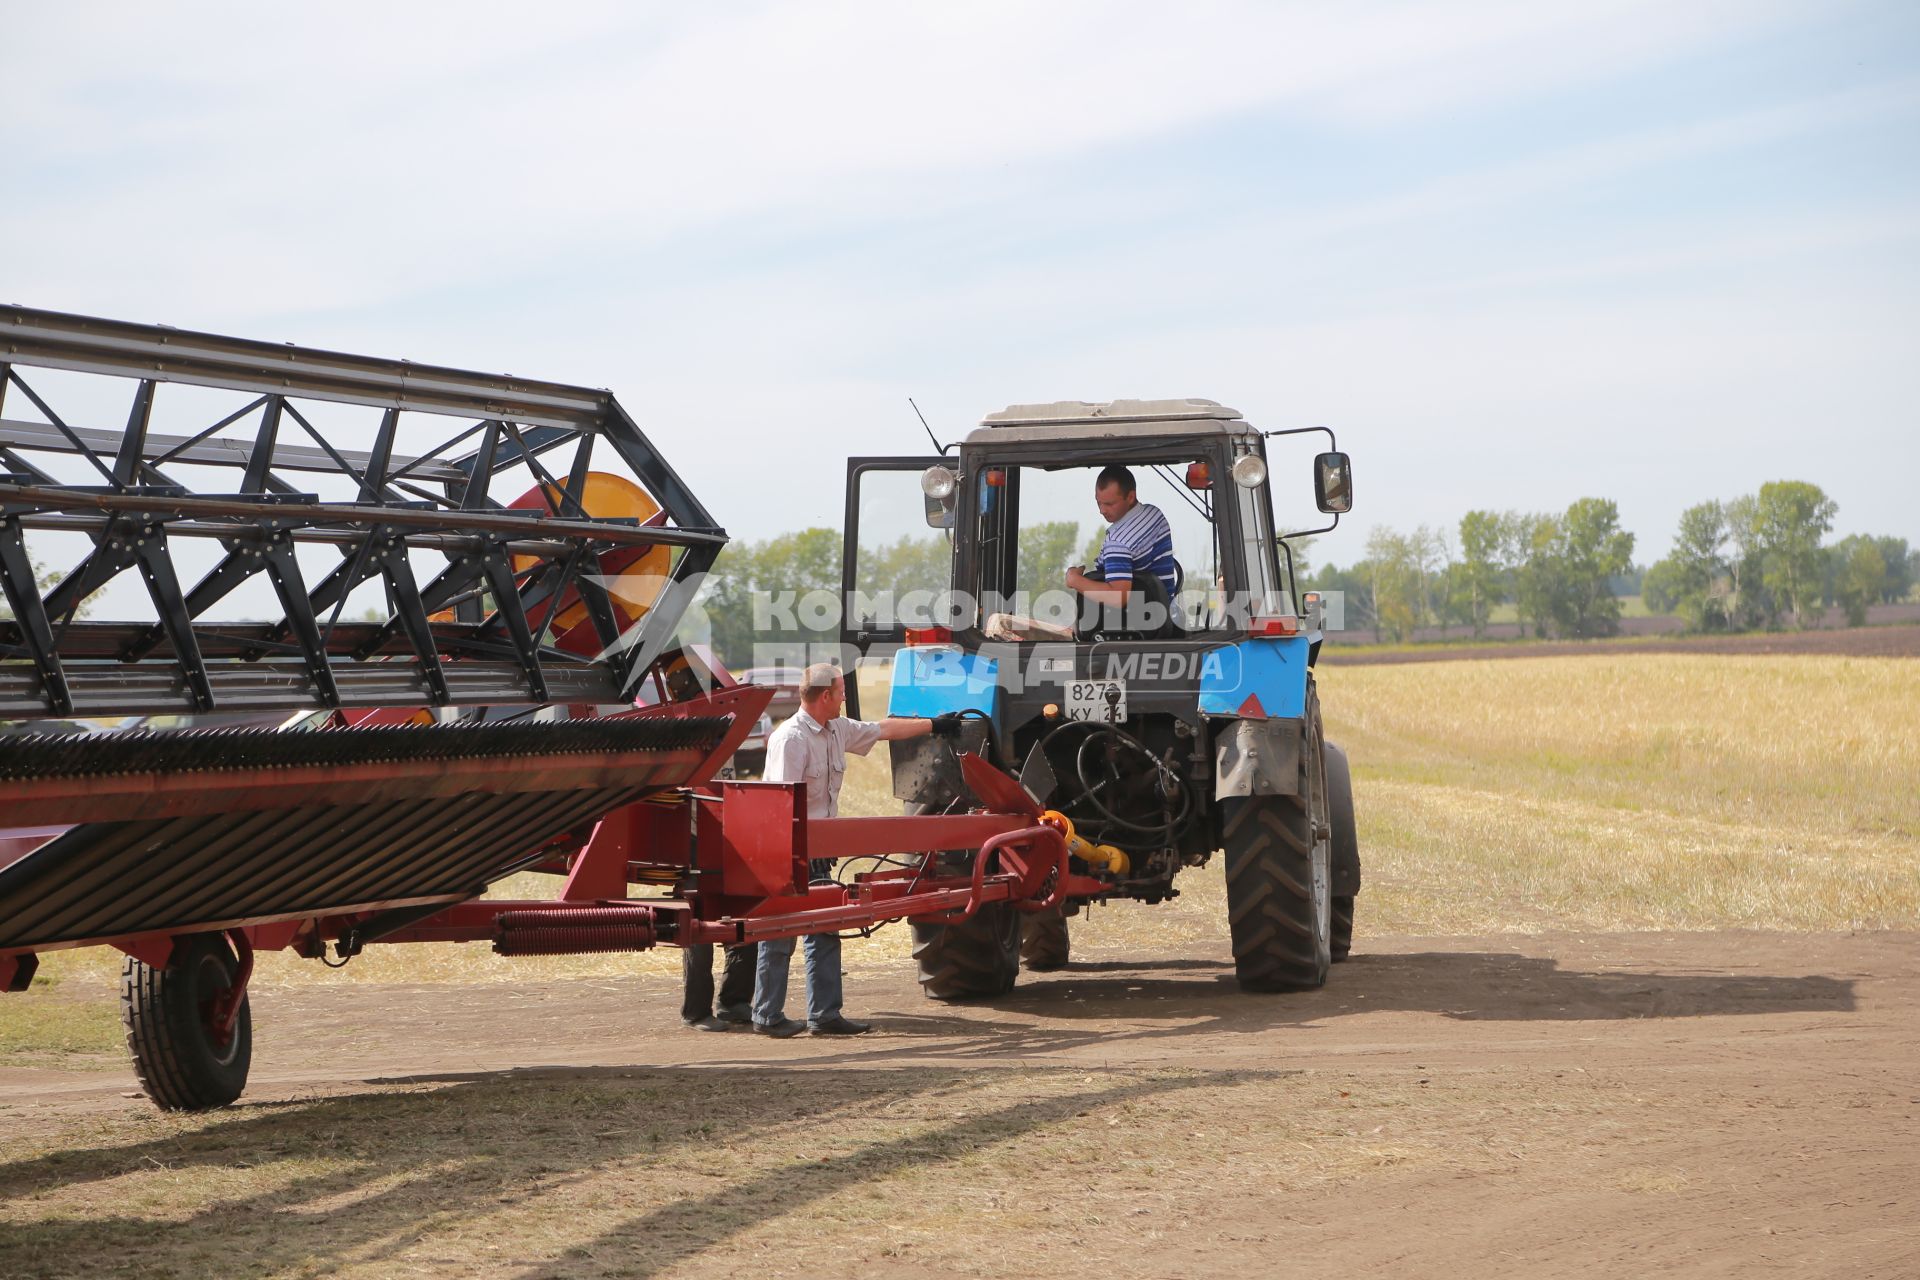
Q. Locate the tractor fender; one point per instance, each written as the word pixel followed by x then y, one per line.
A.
pixel 1259 678
pixel 1257 758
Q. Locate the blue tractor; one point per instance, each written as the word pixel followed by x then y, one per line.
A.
pixel 1169 722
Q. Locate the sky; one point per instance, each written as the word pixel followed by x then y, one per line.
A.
pixel 1514 254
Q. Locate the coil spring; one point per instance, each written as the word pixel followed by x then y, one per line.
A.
pixel 568 931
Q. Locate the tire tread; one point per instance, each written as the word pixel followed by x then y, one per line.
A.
pixel 161 1016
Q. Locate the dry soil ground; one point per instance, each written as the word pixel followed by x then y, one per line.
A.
pixel 1561 1104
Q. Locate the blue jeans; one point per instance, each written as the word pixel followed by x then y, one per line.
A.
pixel 823 979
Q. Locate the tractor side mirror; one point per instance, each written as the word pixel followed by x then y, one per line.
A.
pixel 1333 483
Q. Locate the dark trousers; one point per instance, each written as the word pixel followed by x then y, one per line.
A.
pixel 736 985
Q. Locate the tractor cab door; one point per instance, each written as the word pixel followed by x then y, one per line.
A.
pixel 896 569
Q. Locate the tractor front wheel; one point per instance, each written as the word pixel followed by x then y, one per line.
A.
pixel 183 1060
pixel 1044 944
pixel 979 956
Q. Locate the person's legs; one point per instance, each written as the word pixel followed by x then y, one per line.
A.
pixel 824 994
pixel 696 980
pixel 770 982
pixel 736 985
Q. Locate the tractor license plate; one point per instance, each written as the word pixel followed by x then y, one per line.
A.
pixel 1101 700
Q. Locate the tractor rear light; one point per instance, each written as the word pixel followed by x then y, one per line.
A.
pixel 1279 624
pixel 917 636
pixel 995 477
pixel 1199 476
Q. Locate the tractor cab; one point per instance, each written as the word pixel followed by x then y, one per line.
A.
pixel 975 550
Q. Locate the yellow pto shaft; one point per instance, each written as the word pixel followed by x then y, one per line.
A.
pixel 1099 855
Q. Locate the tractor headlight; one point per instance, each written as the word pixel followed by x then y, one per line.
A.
pixel 937 482
pixel 1249 471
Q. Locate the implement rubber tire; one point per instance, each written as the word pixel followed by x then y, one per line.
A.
pixel 1346 852
pixel 1279 878
pixel 980 956
pixel 1044 944
pixel 166 1012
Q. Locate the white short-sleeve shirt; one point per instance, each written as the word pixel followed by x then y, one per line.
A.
pixel 804 750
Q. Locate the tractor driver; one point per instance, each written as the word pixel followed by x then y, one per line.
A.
pixel 1139 542
pixel 811 746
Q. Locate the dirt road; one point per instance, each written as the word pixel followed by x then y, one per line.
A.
pixel 1614 1104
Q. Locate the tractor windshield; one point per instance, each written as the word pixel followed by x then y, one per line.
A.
pixel 1062 525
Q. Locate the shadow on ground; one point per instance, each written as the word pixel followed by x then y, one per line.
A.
pixel 319 1185
pixel 1114 999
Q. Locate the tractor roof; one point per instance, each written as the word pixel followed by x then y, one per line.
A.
pixel 1113 418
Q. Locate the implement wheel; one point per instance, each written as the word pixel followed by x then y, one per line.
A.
pixel 1044 944
pixel 1346 852
pixel 1279 878
pixel 182 1062
pixel 979 956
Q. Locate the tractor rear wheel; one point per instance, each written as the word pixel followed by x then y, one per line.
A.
pixel 182 1062
pixel 1340 937
pixel 1044 944
pixel 1279 878
pixel 1346 852
pixel 979 956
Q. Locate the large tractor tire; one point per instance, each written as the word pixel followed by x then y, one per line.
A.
pixel 1279 878
pixel 1346 852
pixel 980 956
pixel 181 1063
pixel 1044 944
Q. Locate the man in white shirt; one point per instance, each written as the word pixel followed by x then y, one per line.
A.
pixel 811 747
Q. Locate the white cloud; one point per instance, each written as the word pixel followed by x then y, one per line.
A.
pixel 357 154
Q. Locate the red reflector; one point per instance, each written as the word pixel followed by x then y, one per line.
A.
pixel 995 478
pixel 1199 476
pixel 929 635
pixel 1284 624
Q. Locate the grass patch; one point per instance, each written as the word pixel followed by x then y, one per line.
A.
pixel 44 1026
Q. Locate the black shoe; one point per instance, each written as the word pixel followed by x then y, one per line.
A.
pixel 707 1024
pixel 734 1017
pixel 839 1026
pixel 780 1030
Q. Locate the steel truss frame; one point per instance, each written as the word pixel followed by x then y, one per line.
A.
pixel 528 564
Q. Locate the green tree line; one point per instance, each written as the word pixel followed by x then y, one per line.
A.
pixel 1761 561
pixel 1758 561
pixel 1557 569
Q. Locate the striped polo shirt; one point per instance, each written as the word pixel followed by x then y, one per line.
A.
pixel 1140 541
